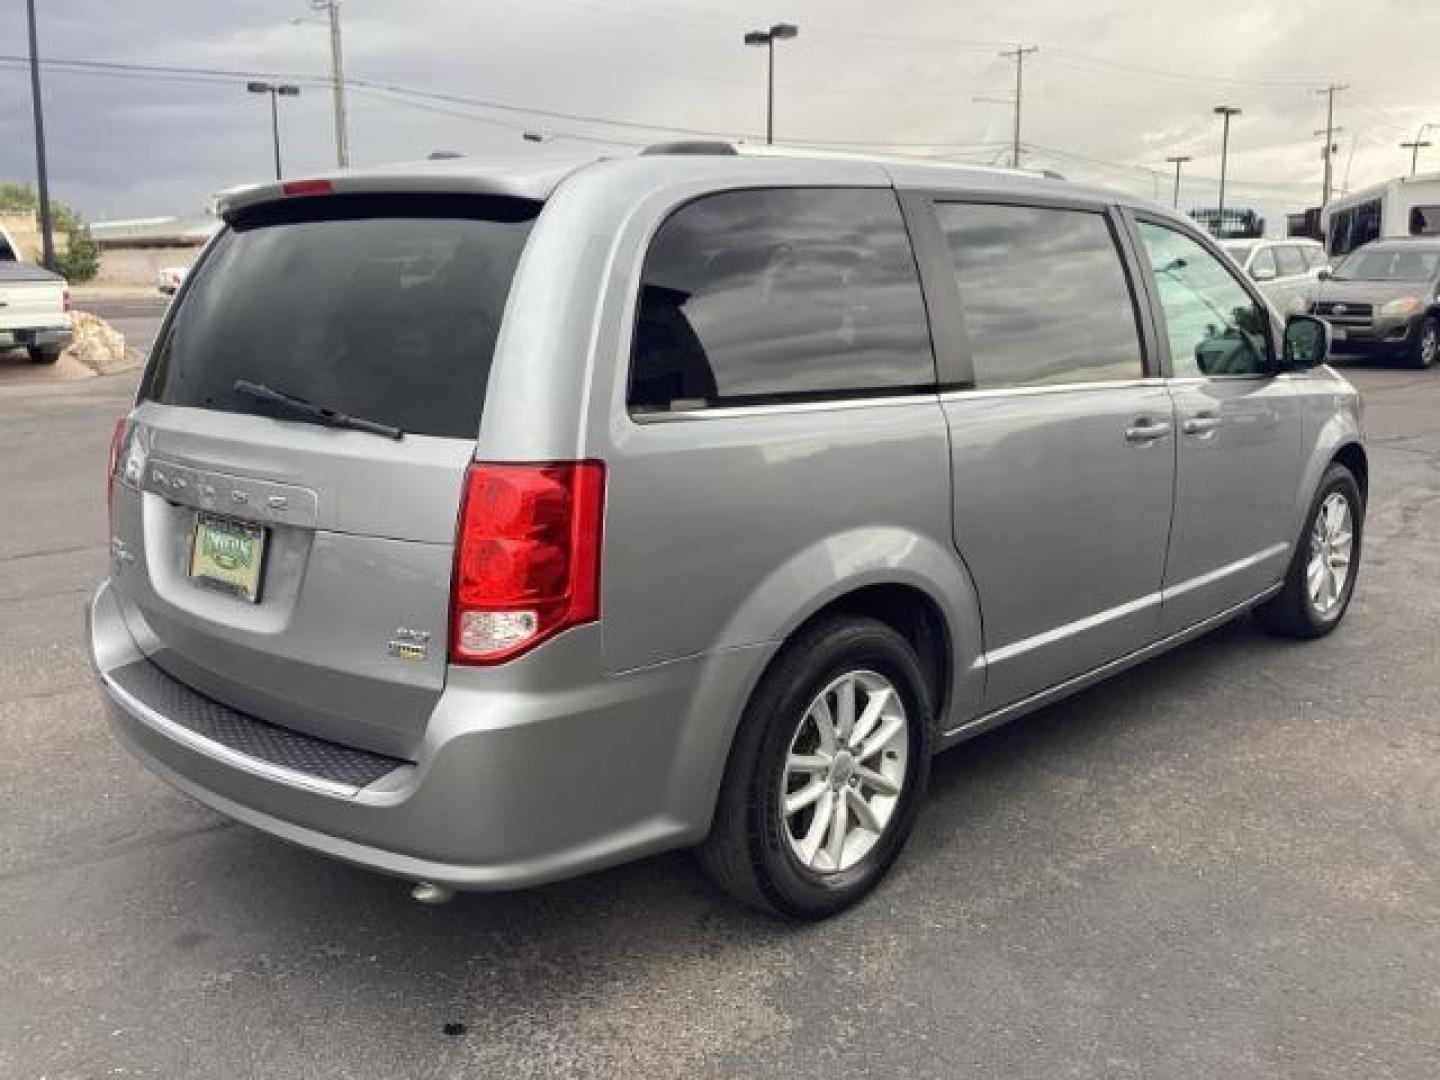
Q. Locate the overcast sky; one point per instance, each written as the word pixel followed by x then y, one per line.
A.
pixel 1116 86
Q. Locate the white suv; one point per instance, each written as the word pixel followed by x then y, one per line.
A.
pixel 1287 271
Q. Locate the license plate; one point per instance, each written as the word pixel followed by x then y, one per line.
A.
pixel 227 555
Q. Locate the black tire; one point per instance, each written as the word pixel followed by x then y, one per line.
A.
pixel 1291 613
pixel 43 354
pixel 1425 345
pixel 748 853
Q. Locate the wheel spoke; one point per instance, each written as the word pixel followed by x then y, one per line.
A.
pixel 877 782
pixel 1314 577
pixel 810 793
pixel 864 816
pixel 819 826
pixel 889 728
pixel 845 709
pixel 824 724
pixel 807 763
pixel 879 699
pixel 839 827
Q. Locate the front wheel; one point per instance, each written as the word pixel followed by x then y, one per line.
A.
pixel 1426 345
pixel 827 772
pixel 1321 579
pixel 43 354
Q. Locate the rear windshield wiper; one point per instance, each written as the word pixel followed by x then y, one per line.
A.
pixel 318 413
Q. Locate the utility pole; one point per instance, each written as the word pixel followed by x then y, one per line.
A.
pixel 1178 160
pixel 1414 148
pixel 47 232
pixel 1329 133
pixel 337 80
pixel 1018 54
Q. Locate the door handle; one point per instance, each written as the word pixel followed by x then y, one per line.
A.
pixel 1202 425
pixel 1146 430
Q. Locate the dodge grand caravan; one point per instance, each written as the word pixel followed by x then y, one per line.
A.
pixel 484 523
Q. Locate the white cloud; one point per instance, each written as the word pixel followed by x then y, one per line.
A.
pixel 1117 86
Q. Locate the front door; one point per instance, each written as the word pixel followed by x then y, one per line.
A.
pixel 1238 451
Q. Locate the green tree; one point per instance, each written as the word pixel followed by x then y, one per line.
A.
pixel 80 261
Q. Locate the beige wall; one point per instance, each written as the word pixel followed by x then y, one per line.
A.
pixel 24 230
pixel 138 266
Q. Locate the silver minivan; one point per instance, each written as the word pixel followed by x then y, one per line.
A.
pixel 485 522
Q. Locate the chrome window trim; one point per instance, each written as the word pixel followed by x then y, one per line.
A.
pixel 1052 388
pixel 724 412
pixel 836 404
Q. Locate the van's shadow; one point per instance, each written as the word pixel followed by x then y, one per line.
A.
pixel 486 955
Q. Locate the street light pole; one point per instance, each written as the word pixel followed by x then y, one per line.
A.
pixel 1177 161
pixel 42 185
pixel 1226 111
pixel 778 32
pixel 276 91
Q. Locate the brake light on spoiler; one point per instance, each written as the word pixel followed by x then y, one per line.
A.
pixel 307 187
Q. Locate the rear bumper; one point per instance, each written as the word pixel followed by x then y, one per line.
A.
pixel 510 788
pixel 56 337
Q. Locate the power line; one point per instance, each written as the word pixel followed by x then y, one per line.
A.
pixel 1066 58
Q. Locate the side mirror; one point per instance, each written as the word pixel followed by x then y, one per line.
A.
pixel 1307 342
pixel 1324 274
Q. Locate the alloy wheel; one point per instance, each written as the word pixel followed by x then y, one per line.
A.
pixel 844 772
pixel 1332 544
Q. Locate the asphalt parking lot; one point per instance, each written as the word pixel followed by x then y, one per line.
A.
pixel 1223 864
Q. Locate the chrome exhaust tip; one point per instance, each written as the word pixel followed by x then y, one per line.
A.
pixel 429 893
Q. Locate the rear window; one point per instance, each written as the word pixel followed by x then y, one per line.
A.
pixel 384 307
pixel 1291 260
pixel 774 295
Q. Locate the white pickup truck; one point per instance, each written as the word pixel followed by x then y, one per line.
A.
pixel 34 311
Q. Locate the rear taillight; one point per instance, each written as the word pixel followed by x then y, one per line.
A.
pixel 117 444
pixel 527 557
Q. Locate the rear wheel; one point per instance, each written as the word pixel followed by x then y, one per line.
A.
pixel 43 354
pixel 827 772
pixel 1426 344
pixel 1322 573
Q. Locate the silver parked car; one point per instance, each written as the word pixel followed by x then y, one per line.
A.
pixel 1287 271
pixel 488 522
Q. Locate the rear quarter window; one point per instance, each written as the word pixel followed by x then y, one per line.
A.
pixel 773 295
pixel 386 308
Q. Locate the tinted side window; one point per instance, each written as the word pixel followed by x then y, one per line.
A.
pixel 1044 295
pixel 1425 221
pixel 1290 260
pixel 764 295
pixel 1213 325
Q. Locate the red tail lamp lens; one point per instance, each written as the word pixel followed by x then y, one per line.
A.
pixel 527 558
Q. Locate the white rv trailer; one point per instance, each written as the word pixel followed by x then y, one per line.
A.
pixel 1409 206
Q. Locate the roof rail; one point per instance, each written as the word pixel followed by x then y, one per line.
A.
pixel 689 146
